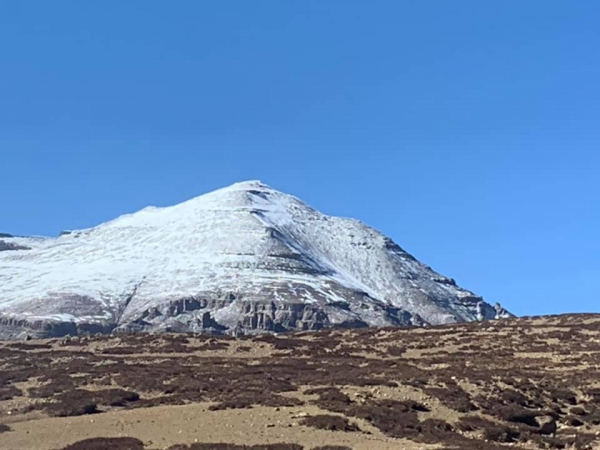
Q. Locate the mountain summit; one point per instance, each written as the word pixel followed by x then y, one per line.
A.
pixel 242 259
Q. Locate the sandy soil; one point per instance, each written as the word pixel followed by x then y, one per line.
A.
pixel 163 426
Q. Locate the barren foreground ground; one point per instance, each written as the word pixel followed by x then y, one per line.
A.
pixel 523 383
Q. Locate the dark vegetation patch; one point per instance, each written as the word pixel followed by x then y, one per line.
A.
pixel 248 399
pixel 332 447
pixel 79 402
pixel 397 419
pixel 454 398
pixel 396 351
pixel 4 428
pixel 9 392
pixel 489 430
pixel 518 415
pixel 329 422
pixel 201 446
pixel 121 443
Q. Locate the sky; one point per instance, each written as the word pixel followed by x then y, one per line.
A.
pixel 467 131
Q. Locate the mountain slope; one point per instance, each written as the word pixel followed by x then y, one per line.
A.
pixel 239 259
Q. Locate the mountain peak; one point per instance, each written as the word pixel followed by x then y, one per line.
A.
pixel 245 258
pixel 249 184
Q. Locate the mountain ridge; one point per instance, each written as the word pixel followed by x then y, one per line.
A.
pixel 244 258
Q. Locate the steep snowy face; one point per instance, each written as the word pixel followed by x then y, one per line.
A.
pixel 241 259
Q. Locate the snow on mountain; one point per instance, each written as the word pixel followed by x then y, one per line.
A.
pixel 241 259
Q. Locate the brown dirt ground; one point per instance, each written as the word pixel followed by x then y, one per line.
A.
pixel 523 383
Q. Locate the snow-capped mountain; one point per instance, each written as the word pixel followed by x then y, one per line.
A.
pixel 241 259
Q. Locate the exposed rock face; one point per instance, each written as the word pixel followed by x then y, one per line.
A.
pixel 11 246
pixel 242 259
pixel 501 313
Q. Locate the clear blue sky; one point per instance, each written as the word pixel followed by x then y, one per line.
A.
pixel 469 131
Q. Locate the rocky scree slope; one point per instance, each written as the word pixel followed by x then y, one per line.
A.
pixel 242 259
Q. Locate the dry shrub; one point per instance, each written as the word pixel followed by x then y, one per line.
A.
pixel 501 433
pixel 242 400
pixel 454 398
pixel 394 418
pixel 329 422
pixel 518 415
pixel 396 351
pixel 80 402
pixel 331 399
pixel 489 430
pixel 332 447
pixel 512 396
pixel 9 392
pixel 221 446
pixel 579 411
pixel 121 443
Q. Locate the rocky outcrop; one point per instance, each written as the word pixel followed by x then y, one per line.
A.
pixel 10 246
pixel 16 328
pixel 501 313
pixel 239 317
